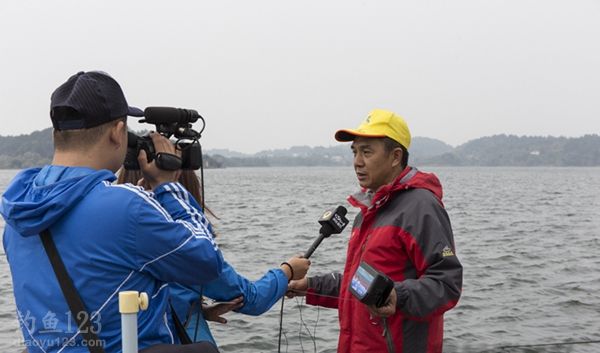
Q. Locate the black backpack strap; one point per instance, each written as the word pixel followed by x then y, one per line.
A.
pixel 81 316
pixel 184 338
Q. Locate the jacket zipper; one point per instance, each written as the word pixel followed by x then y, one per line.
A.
pixel 386 332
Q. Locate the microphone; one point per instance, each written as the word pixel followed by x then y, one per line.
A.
pixel 168 115
pixel 332 222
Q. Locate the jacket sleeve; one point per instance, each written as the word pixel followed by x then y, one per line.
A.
pixel 173 238
pixel 324 290
pixel 259 296
pixel 439 273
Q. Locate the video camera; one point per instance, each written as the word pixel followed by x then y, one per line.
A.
pixel 169 122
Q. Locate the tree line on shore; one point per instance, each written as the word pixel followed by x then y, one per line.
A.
pixel 35 149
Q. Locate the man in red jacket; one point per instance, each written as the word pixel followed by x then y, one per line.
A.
pixel 402 231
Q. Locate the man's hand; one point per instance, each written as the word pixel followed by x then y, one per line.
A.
pixel 386 310
pixel 297 288
pixel 213 312
pixel 153 175
pixel 297 269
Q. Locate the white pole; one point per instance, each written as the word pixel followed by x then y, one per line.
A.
pixel 130 303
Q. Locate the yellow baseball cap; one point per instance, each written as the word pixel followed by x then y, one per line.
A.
pixel 379 123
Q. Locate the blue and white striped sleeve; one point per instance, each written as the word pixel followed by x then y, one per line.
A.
pixel 259 295
pixel 174 241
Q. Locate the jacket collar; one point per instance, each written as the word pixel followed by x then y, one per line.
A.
pixel 409 178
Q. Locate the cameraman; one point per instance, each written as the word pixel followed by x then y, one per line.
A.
pixel 111 238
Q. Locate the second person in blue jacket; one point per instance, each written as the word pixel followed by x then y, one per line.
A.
pixel 232 290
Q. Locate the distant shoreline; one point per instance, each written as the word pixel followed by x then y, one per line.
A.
pixel 18 152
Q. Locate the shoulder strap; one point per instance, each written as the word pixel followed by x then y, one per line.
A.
pixel 81 316
pixel 184 338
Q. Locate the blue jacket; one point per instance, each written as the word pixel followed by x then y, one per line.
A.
pixel 259 296
pixel 111 238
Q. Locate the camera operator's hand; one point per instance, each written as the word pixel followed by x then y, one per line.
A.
pixel 296 267
pixel 153 175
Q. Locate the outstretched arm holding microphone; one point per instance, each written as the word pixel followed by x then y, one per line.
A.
pixel 332 222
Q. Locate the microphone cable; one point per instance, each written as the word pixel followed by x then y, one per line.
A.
pixel 303 324
pixel 332 222
pixel 281 325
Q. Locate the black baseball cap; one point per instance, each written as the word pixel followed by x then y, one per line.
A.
pixel 89 99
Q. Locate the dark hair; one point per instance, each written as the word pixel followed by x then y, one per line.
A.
pixel 191 182
pixel 391 144
pixel 188 179
pixel 128 176
pixel 65 140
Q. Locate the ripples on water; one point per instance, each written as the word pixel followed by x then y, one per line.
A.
pixel 528 238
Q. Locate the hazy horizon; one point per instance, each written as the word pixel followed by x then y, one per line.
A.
pixel 272 74
pixel 334 143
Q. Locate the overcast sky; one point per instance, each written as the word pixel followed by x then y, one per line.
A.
pixel 276 73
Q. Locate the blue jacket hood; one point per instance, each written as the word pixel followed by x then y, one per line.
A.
pixel 38 197
pixel 110 238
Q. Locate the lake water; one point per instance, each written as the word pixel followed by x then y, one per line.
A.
pixel 529 240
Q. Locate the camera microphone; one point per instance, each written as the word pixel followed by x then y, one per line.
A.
pixel 332 222
pixel 169 115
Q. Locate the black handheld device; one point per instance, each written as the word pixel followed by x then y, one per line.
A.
pixel 332 222
pixel 169 122
pixel 370 286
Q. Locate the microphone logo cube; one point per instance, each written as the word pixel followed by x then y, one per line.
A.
pixel 334 222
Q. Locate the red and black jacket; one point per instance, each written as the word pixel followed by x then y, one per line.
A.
pixel 403 231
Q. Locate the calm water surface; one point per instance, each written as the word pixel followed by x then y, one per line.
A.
pixel 529 240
